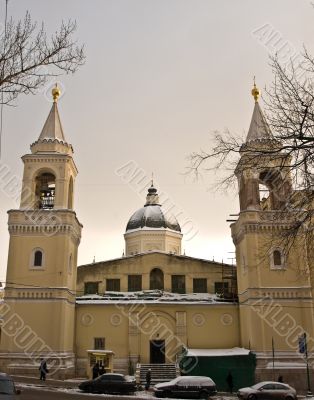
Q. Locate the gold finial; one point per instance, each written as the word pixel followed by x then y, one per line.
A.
pixel 55 93
pixel 255 91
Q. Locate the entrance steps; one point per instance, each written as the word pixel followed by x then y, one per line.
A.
pixel 159 373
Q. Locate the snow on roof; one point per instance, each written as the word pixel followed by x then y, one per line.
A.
pixel 150 296
pixel 235 351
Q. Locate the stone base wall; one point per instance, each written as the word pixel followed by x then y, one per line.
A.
pixel 60 365
pixel 290 366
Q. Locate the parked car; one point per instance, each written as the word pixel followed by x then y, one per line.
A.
pixel 109 383
pixel 268 391
pixel 199 387
pixel 7 388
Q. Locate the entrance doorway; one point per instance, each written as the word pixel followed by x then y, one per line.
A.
pixel 157 352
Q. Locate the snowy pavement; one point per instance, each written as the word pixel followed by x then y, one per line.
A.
pixel 137 395
pixel 144 395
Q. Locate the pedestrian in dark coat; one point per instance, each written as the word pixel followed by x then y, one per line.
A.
pixel 148 378
pixel 102 369
pixel 96 370
pixel 43 369
pixel 229 381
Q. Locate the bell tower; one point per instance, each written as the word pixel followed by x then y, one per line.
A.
pixel 39 308
pixel 274 285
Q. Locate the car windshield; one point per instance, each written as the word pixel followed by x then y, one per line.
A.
pixel 6 387
pixel 258 385
pixel 175 381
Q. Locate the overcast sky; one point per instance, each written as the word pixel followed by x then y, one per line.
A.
pixel 161 76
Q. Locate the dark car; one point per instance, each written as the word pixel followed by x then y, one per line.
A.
pixel 109 383
pixel 7 388
pixel 268 391
pixel 199 387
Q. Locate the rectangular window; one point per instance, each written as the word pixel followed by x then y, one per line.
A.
pixel 199 285
pixel 99 343
pixel 178 283
pixel 91 287
pixel 221 287
pixel 134 283
pixel 113 285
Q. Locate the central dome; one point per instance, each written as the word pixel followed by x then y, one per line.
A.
pixel 152 215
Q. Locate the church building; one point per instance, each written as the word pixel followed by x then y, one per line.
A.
pixel 155 306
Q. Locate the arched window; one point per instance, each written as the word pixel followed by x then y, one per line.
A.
pixel 70 194
pixel 45 191
pixel 277 258
pixel 156 279
pixel 37 258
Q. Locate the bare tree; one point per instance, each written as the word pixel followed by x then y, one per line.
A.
pixel 28 58
pixel 289 111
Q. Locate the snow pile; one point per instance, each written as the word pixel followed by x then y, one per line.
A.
pixel 235 351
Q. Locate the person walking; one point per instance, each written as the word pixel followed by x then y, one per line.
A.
pixel 148 378
pixel 229 381
pixel 96 370
pixel 102 369
pixel 43 369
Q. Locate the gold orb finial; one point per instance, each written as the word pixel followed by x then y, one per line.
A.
pixel 255 91
pixel 55 93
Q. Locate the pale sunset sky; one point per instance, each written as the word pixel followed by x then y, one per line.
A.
pixel 160 77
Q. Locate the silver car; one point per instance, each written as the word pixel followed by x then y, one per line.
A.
pixel 268 391
pixel 187 387
pixel 7 388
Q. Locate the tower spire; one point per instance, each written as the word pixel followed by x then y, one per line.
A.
pixel 52 129
pixel 152 180
pixel 259 128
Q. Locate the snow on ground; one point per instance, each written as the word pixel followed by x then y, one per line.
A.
pixel 137 395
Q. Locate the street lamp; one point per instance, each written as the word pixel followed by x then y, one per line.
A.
pixel 303 350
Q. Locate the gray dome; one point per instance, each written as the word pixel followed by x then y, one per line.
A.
pixel 152 215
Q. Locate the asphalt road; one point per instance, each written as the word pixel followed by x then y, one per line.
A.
pixel 40 394
pixel 29 393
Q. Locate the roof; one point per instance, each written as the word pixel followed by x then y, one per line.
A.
pixel 149 253
pixel 235 351
pixel 259 128
pixel 152 216
pixel 52 129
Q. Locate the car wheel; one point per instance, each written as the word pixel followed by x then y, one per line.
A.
pixel 251 397
pixel 289 398
pixel 204 395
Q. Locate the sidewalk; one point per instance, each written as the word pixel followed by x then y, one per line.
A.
pixel 73 384
pixel 68 384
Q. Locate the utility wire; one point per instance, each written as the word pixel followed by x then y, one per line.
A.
pixel 2 72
